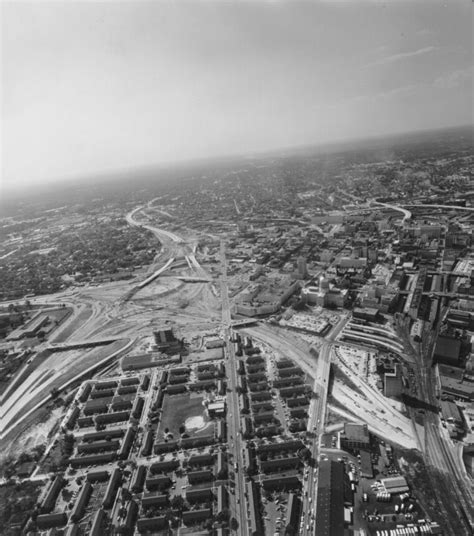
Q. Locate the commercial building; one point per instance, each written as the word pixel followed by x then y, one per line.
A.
pixel 332 488
pixel 395 484
pixel 451 383
pixel 366 468
pixel 393 382
pixel 355 436
pixel 450 412
pixel 447 350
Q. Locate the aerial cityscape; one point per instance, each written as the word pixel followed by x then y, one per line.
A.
pixel 280 346
pixel 237 269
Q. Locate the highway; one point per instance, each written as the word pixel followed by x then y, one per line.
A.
pixel 287 344
pixel 237 501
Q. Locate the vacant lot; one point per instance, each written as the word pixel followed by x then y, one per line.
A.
pixel 177 409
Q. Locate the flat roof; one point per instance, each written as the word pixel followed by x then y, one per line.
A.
pixel 366 464
pixel 330 501
pixel 394 482
pixel 356 432
pixel 447 347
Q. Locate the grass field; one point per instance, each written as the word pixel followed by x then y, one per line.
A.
pixel 178 408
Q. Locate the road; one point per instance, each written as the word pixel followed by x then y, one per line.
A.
pixel 288 344
pixel 237 501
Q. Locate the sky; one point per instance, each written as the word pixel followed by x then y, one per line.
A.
pixel 94 87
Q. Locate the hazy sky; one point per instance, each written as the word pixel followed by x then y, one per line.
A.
pixel 89 87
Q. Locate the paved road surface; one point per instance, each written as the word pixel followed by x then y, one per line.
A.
pixel 237 501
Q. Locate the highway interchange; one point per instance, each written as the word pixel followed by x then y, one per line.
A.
pixel 436 448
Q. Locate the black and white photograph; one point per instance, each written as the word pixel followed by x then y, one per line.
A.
pixel 237 268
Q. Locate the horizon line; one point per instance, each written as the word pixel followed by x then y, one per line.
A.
pixel 108 174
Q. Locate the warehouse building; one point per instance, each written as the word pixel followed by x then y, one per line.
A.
pixel 332 484
pixel 450 412
pixel 395 484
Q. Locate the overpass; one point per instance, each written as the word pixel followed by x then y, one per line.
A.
pixel 194 279
pixel 450 207
pixel 74 345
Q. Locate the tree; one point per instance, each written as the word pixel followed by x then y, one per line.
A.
pixel 177 502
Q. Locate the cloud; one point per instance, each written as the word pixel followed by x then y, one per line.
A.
pixel 402 55
pixel 454 78
pixel 397 91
